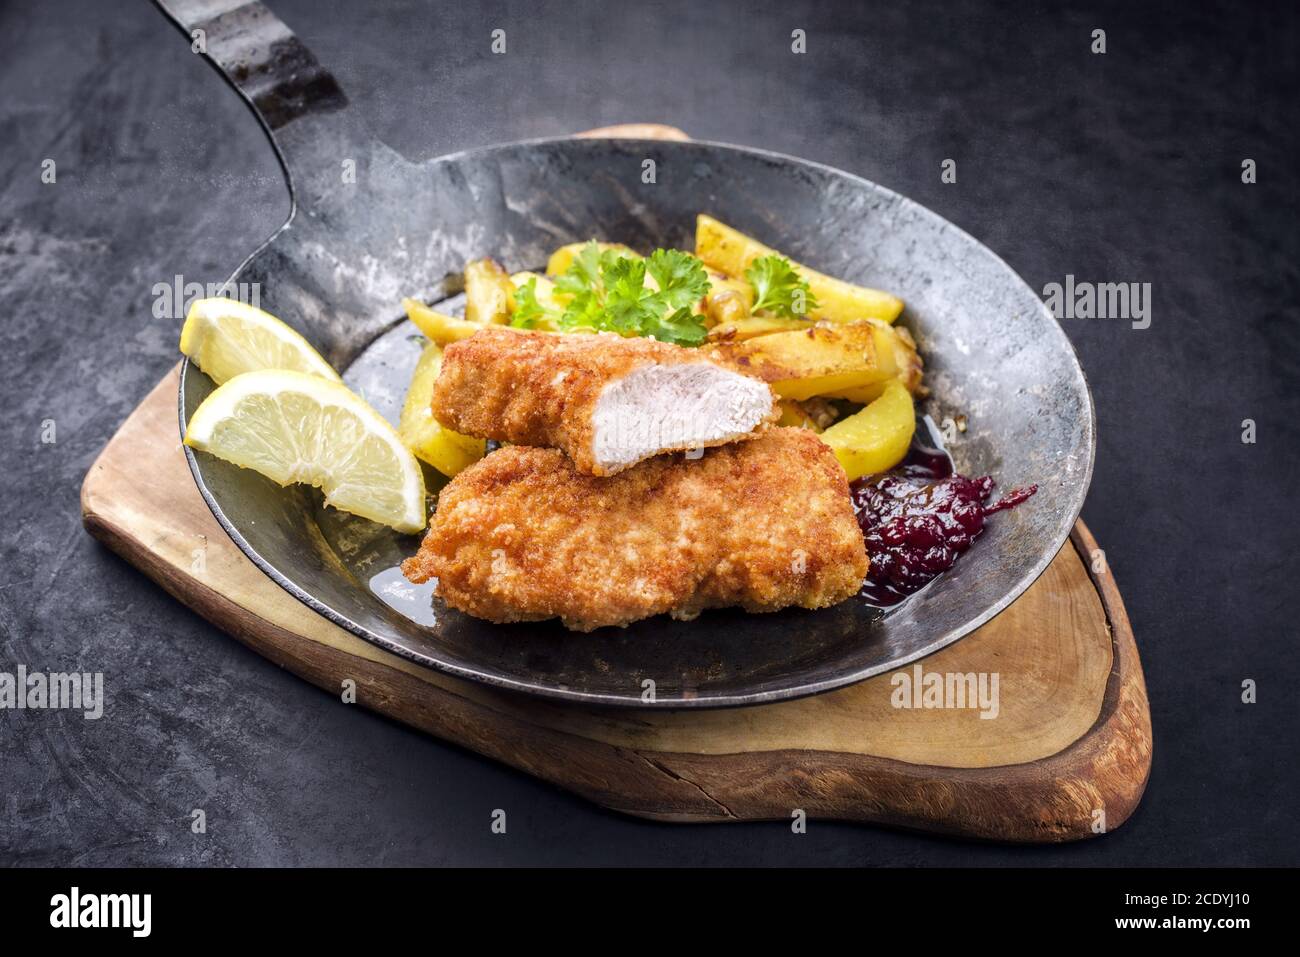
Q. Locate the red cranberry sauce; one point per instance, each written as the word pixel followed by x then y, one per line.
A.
pixel 918 518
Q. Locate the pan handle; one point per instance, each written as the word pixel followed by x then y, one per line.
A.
pixel 299 103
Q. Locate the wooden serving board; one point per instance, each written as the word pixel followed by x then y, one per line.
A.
pixel 1067 755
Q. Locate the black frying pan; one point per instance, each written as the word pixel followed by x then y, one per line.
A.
pixel 338 268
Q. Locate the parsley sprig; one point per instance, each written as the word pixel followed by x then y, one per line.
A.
pixel 779 289
pixel 607 292
pixel 528 310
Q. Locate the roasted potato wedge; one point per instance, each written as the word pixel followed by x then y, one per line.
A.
pixel 731 251
pixel 821 359
pixel 441 328
pixel 813 414
pixel 488 292
pixel 562 258
pixel 877 437
pixel 425 436
pixel 545 287
pixel 751 326
pixel 907 361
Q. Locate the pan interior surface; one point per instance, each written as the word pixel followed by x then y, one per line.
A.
pixel 993 354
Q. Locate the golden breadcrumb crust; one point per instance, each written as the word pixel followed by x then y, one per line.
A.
pixel 523 535
pixel 541 389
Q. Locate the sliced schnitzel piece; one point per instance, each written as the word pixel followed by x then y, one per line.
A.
pixel 607 401
pixel 522 535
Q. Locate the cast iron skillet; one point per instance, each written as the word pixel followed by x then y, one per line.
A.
pixel 338 268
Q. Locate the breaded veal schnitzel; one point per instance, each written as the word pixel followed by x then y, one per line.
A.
pixel 609 402
pixel 524 535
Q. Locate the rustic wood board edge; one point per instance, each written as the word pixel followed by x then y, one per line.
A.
pixel 1087 789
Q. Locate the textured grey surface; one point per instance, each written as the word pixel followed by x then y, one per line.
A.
pixel 1122 167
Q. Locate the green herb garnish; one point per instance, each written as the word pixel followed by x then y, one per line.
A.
pixel 779 289
pixel 608 293
pixel 527 309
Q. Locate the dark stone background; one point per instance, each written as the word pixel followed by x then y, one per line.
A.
pixel 1122 167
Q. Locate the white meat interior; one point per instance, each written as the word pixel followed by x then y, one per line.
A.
pixel 657 408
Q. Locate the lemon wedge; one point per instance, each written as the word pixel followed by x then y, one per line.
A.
pixel 228 338
pixel 447 451
pixel 293 427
